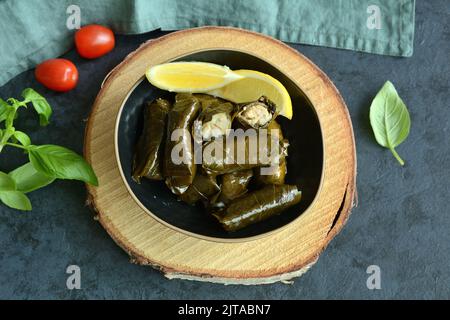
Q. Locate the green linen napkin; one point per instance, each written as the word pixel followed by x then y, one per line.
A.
pixel 34 30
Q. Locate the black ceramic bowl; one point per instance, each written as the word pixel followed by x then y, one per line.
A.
pixel 304 163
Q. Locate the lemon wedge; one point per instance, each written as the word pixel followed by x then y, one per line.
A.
pixel 252 85
pixel 193 77
pixel 236 86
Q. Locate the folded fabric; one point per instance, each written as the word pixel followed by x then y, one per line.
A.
pixel 35 30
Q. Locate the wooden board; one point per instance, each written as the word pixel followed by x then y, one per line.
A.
pixel 279 256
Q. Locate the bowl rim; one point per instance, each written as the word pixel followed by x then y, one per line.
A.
pixel 190 233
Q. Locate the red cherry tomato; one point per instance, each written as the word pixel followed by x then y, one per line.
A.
pixel 57 74
pixel 94 41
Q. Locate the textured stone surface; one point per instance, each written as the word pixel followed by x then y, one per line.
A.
pixel 402 222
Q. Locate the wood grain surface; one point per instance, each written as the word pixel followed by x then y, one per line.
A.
pixel 279 256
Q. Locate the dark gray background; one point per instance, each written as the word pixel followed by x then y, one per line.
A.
pixel 402 222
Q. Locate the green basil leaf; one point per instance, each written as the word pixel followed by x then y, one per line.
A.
pixel 22 137
pixel 389 119
pixel 5 108
pixel 28 179
pixel 6 182
pixel 14 104
pixel 6 134
pixel 16 200
pixel 40 104
pixel 62 163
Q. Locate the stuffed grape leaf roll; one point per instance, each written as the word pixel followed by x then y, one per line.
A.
pixel 222 156
pixel 257 114
pixel 237 152
pixel 234 184
pixel 276 173
pixel 257 206
pixel 179 165
pixel 147 161
pixel 214 121
pixel 202 188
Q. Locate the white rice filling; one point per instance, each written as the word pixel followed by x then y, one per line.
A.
pixel 216 127
pixel 256 115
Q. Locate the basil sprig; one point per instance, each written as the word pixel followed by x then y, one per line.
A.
pixel 46 162
pixel 389 119
pixel 10 196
